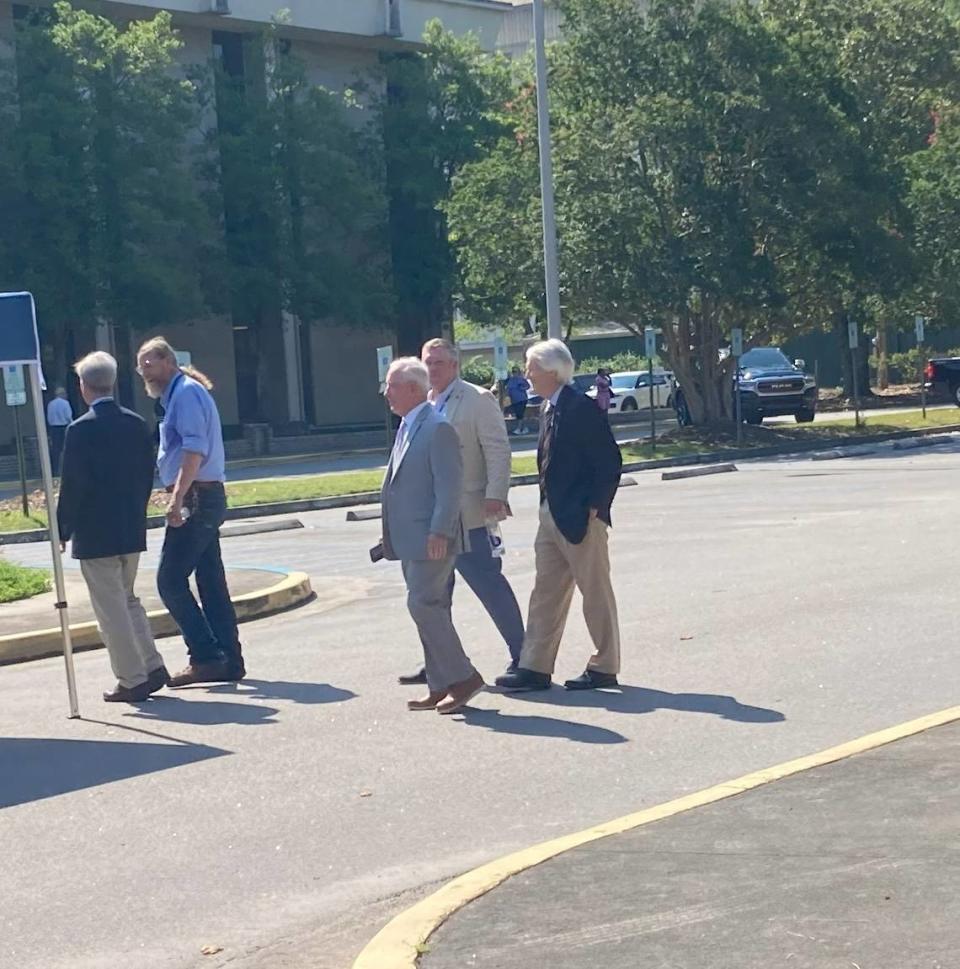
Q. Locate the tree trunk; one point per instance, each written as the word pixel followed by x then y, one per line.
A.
pixel 883 373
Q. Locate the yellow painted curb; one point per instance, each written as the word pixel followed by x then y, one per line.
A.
pixel 292 589
pixel 400 942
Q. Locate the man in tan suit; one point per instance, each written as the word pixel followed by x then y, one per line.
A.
pixel 485 447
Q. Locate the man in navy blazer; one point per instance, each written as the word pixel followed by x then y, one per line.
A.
pixel 105 484
pixel 579 463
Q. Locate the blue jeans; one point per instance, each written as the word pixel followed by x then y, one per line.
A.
pixel 483 572
pixel 209 628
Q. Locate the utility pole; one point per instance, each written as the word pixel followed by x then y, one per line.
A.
pixel 551 275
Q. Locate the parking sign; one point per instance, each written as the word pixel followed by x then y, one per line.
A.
pixel 853 334
pixel 649 342
pixel 919 322
pixel 736 342
pixel 14 385
pixel 500 359
pixel 384 359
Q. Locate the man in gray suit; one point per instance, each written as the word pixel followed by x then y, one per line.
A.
pixel 422 527
pixel 485 448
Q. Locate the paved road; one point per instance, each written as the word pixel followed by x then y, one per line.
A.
pixel 765 614
pixel 851 864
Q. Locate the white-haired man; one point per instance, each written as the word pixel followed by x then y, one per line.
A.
pixel 485 449
pixel 422 527
pixel 579 464
pixel 102 511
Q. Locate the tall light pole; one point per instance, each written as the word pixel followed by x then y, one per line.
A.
pixel 551 275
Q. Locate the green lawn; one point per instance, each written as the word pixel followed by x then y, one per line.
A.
pixel 686 441
pixel 17 582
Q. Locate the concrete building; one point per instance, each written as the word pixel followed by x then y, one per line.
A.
pixel 339 41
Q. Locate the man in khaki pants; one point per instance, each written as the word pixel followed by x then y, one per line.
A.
pixel 579 464
pixel 106 481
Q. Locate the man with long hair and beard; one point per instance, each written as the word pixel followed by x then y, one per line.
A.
pixel 191 464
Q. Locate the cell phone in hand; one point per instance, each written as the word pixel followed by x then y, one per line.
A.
pixel 376 553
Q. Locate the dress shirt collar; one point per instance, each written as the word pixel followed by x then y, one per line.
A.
pixel 168 392
pixel 440 400
pixel 409 419
pixel 554 397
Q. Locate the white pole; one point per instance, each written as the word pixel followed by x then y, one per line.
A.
pixel 551 276
pixel 61 605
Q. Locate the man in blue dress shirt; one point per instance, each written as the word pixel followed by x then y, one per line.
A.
pixel 191 465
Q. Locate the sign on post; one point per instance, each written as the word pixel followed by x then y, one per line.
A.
pixel 919 323
pixel 14 385
pixel 384 359
pixel 501 360
pixel 853 334
pixel 20 344
pixel 736 342
pixel 649 342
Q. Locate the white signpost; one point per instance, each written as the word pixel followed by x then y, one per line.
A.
pixel 853 335
pixel 20 345
pixel 919 322
pixel 384 359
pixel 501 361
pixel 16 393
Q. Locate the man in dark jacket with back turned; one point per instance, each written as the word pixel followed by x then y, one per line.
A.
pixel 579 464
pixel 105 484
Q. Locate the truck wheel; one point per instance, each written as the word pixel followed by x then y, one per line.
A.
pixel 754 418
pixel 805 416
pixel 955 393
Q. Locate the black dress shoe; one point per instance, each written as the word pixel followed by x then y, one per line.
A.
pixel 129 694
pixel 592 680
pixel 414 679
pixel 157 680
pixel 524 680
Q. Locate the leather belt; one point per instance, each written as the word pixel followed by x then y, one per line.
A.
pixel 205 485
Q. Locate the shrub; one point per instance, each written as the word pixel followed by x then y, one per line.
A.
pixel 17 582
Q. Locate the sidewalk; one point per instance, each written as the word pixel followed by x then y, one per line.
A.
pixel 854 864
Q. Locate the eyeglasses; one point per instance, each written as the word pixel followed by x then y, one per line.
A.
pixel 147 363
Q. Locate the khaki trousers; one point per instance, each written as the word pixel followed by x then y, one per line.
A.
pixel 121 617
pixel 561 565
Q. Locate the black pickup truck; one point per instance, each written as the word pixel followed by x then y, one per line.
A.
pixel 941 376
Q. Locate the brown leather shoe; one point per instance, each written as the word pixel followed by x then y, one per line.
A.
pixel 460 694
pixel 128 694
pixel 428 702
pixel 201 673
pixel 158 679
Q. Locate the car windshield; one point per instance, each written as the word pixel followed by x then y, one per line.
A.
pixel 624 381
pixel 761 357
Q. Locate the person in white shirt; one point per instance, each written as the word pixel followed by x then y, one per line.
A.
pixel 59 417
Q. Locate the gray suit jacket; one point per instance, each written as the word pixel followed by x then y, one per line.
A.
pixel 422 490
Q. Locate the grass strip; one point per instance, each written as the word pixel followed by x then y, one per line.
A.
pixel 676 444
pixel 18 582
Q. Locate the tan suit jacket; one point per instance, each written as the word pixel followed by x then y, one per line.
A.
pixel 484 445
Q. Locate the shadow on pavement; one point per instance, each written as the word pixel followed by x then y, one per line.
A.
pixel 537 726
pixel 636 699
pixel 34 768
pixel 177 710
pixel 283 690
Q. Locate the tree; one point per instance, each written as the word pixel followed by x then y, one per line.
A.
pixel 104 215
pixel 300 192
pixel 701 172
pixel 442 110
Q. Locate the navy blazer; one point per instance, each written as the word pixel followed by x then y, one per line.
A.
pixel 583 466
pixel 105 482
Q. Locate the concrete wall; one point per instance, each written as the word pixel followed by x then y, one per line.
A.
pixel 346 386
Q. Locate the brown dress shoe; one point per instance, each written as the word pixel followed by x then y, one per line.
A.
pixel 429 702
pixel 201 673
pixel 158 679
pixel 460 694
pixel 128 694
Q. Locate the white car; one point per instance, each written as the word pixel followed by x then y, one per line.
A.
pixel 631 390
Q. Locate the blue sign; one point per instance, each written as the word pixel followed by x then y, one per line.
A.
pixel 18 329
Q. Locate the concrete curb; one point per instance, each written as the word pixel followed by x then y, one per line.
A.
pixel 400 943
pixel 293 589
pixel 373 497
pixel 697 472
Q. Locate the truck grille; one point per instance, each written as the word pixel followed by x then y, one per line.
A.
pixel 783 385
